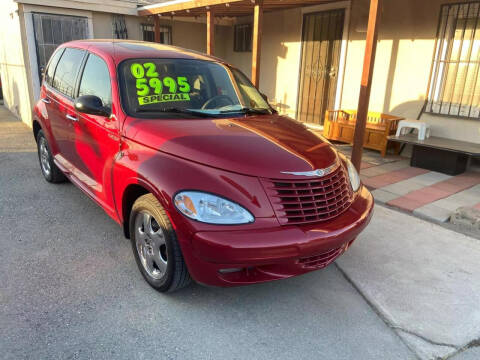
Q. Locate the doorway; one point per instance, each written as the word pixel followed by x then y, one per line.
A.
pixel 322 35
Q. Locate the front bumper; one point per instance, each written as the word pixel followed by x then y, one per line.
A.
pixel 239 257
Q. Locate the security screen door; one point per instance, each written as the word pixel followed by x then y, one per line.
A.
pixel 321 45
pixel 53 30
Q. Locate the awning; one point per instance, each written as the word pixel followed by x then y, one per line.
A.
pixel 221 7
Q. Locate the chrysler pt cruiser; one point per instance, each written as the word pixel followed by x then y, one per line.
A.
pixel 206 179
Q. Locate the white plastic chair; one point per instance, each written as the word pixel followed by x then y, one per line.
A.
pixel 422 127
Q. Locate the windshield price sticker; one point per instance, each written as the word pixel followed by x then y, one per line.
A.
pixel 151 89
pixel 152 99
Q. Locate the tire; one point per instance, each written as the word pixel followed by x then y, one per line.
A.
pixel 50 171
pixel 155 246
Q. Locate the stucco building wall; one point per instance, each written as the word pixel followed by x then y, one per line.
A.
pixel 102 26
pixel 402 67
pixel 406 42
pixel 13 67
pixel 407 34
pixel 280 56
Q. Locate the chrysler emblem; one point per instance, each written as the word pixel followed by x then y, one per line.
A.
pixel 317 172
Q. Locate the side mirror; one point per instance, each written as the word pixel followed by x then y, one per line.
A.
pixel 91 104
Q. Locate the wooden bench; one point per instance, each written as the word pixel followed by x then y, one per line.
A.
pixel 339 125
pixel 439 154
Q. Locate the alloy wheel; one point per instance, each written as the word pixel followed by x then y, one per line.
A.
pixel 151 245
pixel 45 157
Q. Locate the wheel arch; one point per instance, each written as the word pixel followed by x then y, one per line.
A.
pixel 36 127
pixel 131 193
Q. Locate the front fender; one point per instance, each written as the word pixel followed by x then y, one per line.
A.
pixel 164 175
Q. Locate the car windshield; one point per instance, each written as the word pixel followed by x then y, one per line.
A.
pixel 165 87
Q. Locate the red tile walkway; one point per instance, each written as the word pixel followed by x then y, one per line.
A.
pixel 440 190
pixel 366 165
pixel 392 177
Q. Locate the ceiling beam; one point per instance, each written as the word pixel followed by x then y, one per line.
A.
pixel 181 6
pixel 221 7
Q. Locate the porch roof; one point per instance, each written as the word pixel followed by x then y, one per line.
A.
pixel 230 8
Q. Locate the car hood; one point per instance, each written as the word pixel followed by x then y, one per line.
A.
pixel 264 145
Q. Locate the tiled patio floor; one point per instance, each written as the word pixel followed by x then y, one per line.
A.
pixel 424 193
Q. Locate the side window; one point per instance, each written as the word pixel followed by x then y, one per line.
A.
pixel 96 80
pixel 67 70
pixel 52 66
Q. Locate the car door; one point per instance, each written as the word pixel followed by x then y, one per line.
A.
pixel 96 137
pixel 46 98
pixel 61 111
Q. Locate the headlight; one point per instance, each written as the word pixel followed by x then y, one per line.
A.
pixel 353 175
pixel 211 209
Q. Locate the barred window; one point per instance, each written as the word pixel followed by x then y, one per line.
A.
pixel 242 40
pixel 148 33
pixel 454 87
pixel 119 27
pixel 52 30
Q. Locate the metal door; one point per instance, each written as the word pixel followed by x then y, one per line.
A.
pixel 53 30
pixel 321 46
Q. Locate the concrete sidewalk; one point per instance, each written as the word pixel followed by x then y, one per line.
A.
pixel 424 280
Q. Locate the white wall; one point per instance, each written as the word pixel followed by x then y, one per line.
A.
pixel 188 34
pixel 407 33
pixel 13 67
pixel 405 48
pixel 404 55
pixel 102 26
pixel 110 6
pixel 280 56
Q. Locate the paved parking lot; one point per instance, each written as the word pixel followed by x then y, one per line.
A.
pixel 70 289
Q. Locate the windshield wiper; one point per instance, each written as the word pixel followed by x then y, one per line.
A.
pixel 176 110
pixel 247 110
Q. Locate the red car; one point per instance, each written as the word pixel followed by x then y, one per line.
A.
pixel 207 180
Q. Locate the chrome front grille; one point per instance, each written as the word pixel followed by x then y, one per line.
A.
pixel 310 200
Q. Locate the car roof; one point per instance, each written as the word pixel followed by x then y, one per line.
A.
pixel 119 50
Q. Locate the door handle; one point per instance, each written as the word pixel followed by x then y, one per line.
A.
pixel 72 118
pixel 46 100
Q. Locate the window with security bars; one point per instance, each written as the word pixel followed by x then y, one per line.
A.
pixel 242 41
pixel 148 34
pixel 52 30
pixel 119 27
pixel 454 87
